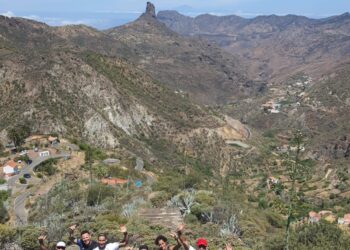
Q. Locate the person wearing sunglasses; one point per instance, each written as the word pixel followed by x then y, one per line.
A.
pixel 59 246
pixel 85 242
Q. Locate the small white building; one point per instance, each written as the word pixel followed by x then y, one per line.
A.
pixel 23 153
pixel 345 220
pixel 44 153
pixel 4 187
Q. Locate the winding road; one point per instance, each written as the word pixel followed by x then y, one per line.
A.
pixel 19 203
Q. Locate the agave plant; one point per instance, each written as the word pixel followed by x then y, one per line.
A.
pixel 230 227
pixel 184 201
pixel 129 209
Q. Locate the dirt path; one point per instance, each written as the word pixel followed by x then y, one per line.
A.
pixel 327 174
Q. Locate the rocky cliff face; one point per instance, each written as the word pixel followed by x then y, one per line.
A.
pixel 150 10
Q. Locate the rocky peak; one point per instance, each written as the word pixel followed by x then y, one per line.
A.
pixel 150 10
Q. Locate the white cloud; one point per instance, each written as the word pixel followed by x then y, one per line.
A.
pixel 70 22
pixel 33 17
pixel 8 14
pixel 120 12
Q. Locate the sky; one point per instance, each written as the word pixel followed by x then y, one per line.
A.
pixel 104 14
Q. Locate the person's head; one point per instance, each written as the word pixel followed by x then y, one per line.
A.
pixel 143 247
pixel 85 237
pixel 101 240
pixel 161 241
pixel 201 244
pixel 60 245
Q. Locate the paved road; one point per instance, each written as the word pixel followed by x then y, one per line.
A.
pixel 29 168
pixel 19 202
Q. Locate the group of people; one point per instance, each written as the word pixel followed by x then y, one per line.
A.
pixel 86 243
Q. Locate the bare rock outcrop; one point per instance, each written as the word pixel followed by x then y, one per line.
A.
pixel 150 9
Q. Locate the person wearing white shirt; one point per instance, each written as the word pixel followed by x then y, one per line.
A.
pixel 103 245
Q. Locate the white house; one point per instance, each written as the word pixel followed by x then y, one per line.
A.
pixel 10 168
pixel 44 153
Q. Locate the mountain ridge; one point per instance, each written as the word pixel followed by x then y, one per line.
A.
pixel 274 47
pixel 75 81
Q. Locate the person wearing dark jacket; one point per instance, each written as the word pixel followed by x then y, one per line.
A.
pixel 85 242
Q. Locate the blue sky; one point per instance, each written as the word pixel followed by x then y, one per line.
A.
pixel 108 13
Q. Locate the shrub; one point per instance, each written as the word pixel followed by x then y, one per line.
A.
pixel 252 198
pixel 205 198
pixel 201 212
pixel 4 195
pixel 160 199
pixel 23 158
pixel 262 203
pixel 332 196
pixel 29 237
pixel 191 218
pixel 22 180
pixel 322 235
pixel 7 235
pixel 342 186
pixel 47 167
pixel 275 220
pixel 97 193
pixel 3 214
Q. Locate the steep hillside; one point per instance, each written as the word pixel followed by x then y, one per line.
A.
pixel 63 80
pixel 274 46
pixel 203 70
pixel 318 107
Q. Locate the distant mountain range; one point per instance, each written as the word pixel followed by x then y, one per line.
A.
pixel 142 81
pixel 278 50
pixel 272 46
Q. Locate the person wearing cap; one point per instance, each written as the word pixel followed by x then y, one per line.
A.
pixel 59 246
pixel 103 245
pixel 200 244
pixel 85 242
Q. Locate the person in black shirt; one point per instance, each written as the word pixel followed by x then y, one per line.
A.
pixel 85 242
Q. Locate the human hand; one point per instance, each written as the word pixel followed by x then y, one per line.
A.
pixel 41 238
pixel 180 228
pixel 73 227
pixel 228 246
pixel 174 235
pixel 123 229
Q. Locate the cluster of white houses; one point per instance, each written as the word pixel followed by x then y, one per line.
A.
pixel 10 167
pixel 315 217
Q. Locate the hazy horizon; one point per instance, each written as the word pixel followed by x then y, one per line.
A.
pixel 109 13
